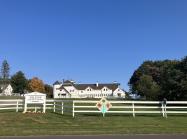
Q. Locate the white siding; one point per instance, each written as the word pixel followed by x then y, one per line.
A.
pixel 119 93
pixel 7 91
pixel 87 93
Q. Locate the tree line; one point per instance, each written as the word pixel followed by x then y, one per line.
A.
pixel 21 84
pixel 156 80
pixel 153 80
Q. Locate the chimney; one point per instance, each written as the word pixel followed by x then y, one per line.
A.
pixel 97 84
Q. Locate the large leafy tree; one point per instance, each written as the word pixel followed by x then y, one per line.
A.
pixel 168 77
pixel 35 84
pixel 19 82
pixel 148 88
pixel 183 67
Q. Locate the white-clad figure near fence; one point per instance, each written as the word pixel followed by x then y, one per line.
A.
pixel 35 98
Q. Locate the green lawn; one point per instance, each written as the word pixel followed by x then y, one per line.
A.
pixel 10 97
pixel 13 124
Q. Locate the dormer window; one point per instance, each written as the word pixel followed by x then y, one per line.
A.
pixel 105 89
pixel 89 89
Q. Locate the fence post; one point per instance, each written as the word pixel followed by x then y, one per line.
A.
pixel 54 106
pixel 44 106
pixel 73 110
pixel 165 103
pixel 62 108
pixel 133 109
pixel 17 106
pixel 35 109
pixel 163 113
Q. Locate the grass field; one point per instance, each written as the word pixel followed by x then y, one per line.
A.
pixel 18 124
pixel 13 124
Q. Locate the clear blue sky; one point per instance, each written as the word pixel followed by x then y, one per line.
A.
pixel 90 40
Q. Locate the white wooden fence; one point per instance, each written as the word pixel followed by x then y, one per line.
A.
pixel 18 104
pixel 133 107
pixel 118 107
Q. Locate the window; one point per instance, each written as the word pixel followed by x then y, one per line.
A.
pixel 89 89
pixel 105 89
pixel 119 95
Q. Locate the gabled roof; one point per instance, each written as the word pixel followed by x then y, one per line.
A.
pixel 68 82
pixel 95 87
pixel 57 83
pixel 62 87
pixel 111 86
pixel 4 86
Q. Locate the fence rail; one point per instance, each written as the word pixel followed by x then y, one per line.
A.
pixel 18 104
pixel 133 107
pixel 89 106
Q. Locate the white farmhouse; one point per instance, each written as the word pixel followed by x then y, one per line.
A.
pixel 6 90
pixel 69 89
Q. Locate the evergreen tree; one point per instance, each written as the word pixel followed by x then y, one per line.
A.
pixel 5 69
pixel 19 82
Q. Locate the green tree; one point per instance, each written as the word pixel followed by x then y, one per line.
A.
pixel 148 88
pixel 169 76
pixel 49 90
pixel 19 82
pixel 5 69
pixel 183 67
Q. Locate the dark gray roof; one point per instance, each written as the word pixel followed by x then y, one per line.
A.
pixel 112 86
pixel 68 82
pixel 57 82
pixel 62 87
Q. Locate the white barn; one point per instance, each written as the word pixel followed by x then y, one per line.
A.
pixel 6 90
pixel 69 89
